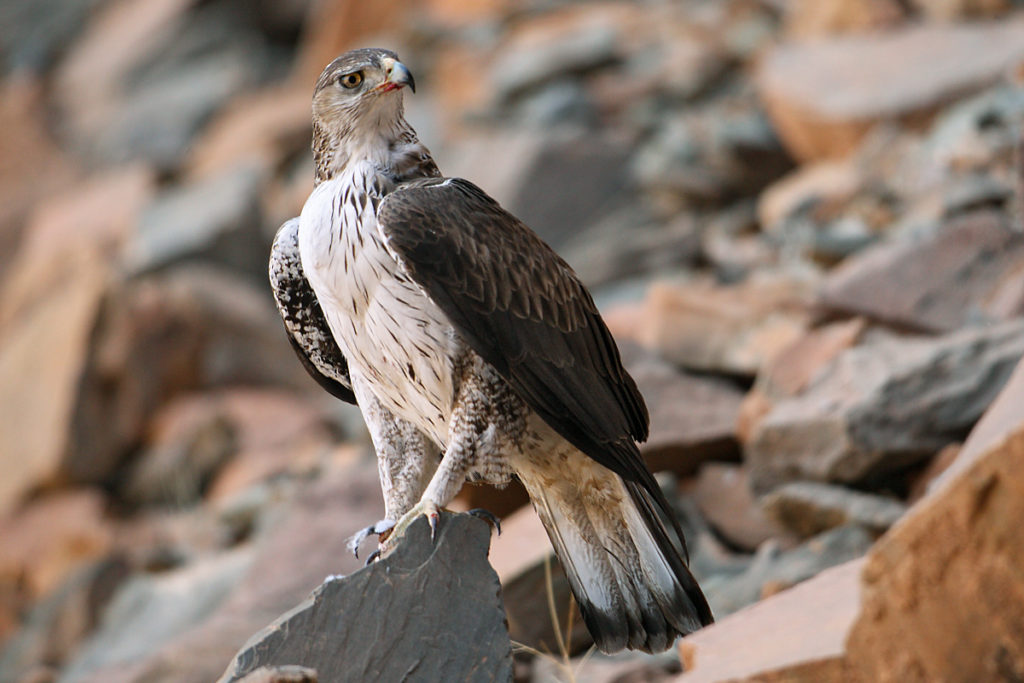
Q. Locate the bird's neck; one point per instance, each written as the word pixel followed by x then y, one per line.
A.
pixel 396 151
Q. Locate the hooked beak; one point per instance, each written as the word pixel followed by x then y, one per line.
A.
pixel 397 76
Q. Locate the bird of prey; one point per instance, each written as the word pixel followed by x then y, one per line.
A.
pixel 474 353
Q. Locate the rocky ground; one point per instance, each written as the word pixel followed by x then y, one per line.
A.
pixel 802 219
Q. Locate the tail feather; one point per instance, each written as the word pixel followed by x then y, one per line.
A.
pixel 632 584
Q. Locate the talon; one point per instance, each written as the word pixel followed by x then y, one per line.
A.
pixel 375 555
pixel 381 529
pixel 487 516
pixel 433 518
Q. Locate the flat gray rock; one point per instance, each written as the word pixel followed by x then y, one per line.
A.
pixel 430 611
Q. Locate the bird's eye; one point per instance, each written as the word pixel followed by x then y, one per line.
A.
pixel 351 80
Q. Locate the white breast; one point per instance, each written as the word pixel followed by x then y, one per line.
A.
pixel 395 339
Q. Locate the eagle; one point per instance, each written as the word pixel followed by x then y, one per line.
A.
pixel 473 352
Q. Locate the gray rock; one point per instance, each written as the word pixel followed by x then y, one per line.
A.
pixel 148 611
pixel 721 152
pixel 160 336
pixel 34 32
pixel 975 191
pixel 215 221
pixel 882 406
pixel 56 625
pixel 808 508
pixel 521 68
pixel 965 271
pixel 573 183
pixel 773 569
pixel 557 103
pixel 156 120
pixel 430 610
pixel 978 130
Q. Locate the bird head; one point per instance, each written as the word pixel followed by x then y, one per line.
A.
pixel 357 102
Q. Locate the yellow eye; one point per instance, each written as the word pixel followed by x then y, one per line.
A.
pixel 351 80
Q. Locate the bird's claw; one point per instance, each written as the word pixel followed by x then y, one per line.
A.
pixel 374 556
pixel 380 529
pixel 424 508
pixel 487 516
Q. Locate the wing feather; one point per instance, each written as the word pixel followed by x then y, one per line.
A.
pixel 304 320
pixel 522 308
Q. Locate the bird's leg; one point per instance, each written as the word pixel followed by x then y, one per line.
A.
pixel 446 482
pixel 406 459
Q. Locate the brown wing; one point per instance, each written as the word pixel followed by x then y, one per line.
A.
pixel 521 307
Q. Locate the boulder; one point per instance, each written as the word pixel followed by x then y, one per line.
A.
pixel 773 569
pixel 710 156
pixel 693 418
pixel 722 492
pixel 728 329
pixel 795 367
pixel 808 508
pixel 148 611
pixel 32 163
pixel 797 635
pixel 966 271
pixel 882 406
pixel 432 607
pixel 214 220
pixel 58 623
pixel 164 335
pixel 824 96
pixel 298 537
pixel 942 590
pixel 817 19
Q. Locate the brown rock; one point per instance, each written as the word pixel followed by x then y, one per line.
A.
pixel 954 10
pixel 958 274
pixel 922 482
pixel 31 164
pixel 825 184
pixel 93 220
pixel 333 28
pixel 820 18
pixel 57 281
pixel 255 129
pixel 693 418
pixel 39 373
pixel 824 96
pixel 797 635
pixel 498 501
pixel 165 335
pixel 795 366
pixel 275 432
pixel 722 492
pixel 734 330
pixel 943 594
pixel 42 543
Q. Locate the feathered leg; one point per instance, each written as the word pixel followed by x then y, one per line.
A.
pixel 406 461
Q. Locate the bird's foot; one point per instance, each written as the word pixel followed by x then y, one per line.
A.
pixel 424 508
pixel 380 529
pixel 487 516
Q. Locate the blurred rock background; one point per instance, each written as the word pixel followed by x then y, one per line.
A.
pixel 802 219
